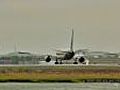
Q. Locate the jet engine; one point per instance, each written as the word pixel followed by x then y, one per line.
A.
pixel 48 58
pixel 83 60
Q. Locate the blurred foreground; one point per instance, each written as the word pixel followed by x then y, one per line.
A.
pixel 59 86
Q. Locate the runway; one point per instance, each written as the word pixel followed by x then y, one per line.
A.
pixel 58 65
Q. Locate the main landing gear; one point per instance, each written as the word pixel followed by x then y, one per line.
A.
pixel 56 62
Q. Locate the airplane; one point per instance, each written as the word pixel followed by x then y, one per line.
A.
pixel 67 55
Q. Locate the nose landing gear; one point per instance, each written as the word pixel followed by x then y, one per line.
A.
pixel 75 62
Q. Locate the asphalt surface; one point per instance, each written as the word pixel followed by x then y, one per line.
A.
pixel 80 65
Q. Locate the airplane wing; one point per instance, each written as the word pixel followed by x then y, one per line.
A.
pixel 61 51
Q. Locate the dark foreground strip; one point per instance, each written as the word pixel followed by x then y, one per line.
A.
pixel 37 81
pixel 101 80
pixel 67 81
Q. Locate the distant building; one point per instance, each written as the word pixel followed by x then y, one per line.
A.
pixel 19 58
pixel 96 54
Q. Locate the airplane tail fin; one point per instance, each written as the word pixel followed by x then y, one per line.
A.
pixel 72 38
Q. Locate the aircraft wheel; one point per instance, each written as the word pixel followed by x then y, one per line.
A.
pixel 56 63
pixel 75 63
pixel 61 62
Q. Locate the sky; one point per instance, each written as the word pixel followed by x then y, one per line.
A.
pixel 41 26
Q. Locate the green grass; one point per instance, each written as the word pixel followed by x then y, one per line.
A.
pixel 60 74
